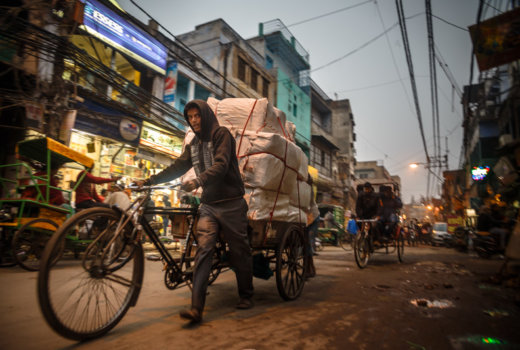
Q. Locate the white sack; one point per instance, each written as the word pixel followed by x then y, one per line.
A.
pixel 268 143
pixel 261 202
pixel 234 113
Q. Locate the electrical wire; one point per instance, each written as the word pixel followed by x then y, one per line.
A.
pixel 402 24
pixel 394 60
pixel 451 24
pixel 433 82
pixel 330 13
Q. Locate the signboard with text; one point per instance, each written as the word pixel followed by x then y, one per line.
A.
pixel 170 83
pixel 161 140
pixel 109 27
pixel 496 40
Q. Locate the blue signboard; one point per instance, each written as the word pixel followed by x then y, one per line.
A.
pixel 103 121
pixel 109 27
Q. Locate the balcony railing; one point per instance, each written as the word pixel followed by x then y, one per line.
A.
pixel 277 26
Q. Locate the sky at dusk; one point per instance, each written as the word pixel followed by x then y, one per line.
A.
pixel 348 62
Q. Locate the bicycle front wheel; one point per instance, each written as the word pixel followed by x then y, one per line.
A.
pixel 84 298
pixel 345 241
pixel 361 249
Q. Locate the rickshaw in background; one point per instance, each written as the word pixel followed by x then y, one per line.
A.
pixel 371 239
pixel 332 228
pixel 29 212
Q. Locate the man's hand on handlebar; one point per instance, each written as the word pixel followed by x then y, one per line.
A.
pixel 141 183
pixel 190 185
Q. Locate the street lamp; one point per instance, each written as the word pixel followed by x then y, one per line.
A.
pixel 427 166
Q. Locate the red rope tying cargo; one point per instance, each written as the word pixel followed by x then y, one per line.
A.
pixel 281 126
pixel 245 126
pixel 278 190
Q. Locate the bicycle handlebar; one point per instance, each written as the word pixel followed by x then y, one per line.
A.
pixel 152 187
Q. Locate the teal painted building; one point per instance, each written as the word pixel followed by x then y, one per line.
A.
pixel 288 60
pixel 296 104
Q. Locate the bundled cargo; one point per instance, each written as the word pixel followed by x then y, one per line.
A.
pixel 257 115
pixel 273 167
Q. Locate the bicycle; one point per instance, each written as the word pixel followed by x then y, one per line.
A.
pixel 84 299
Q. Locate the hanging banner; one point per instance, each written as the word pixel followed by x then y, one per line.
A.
pixel 170 83
pixel 496 41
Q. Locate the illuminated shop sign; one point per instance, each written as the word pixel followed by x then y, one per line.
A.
pixel 109 27
pixel 161 140
pixel 479 172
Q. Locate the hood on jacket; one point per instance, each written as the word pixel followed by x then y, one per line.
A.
pixel 209 123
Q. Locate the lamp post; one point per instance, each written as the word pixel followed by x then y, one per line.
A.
pixel 428 165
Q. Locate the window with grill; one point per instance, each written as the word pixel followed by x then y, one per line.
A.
pixel 242 69
pixel 265 87
pixel 254 79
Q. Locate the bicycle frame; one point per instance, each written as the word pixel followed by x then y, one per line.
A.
pixel 143 226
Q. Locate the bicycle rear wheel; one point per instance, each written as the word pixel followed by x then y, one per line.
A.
pixel 84 298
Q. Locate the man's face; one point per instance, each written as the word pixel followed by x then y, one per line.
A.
pixel 194 119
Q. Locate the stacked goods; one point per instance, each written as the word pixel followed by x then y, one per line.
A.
pixel 250 114
pixel 273 167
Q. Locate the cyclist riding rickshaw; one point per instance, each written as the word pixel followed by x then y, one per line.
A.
pixel 332 226
pixel 33 206
pixel 379 228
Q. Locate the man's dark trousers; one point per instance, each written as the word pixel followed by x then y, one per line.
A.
pixel 230 219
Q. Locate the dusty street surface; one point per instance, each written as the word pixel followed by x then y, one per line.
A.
pixel 384 306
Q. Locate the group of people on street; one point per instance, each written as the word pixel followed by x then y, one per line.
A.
pixel 383 206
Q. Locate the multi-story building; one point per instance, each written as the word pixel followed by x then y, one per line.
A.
pixel 241 68
pixel 492 136
pixel 324 149
pixel 491 142
pixel 290 62
pixel 376 174
pixel 343 131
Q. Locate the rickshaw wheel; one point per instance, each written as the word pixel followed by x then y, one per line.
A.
pixel 399 244
pixel 362 249
pixel 6 251
pixel 29 242
pixel 290 264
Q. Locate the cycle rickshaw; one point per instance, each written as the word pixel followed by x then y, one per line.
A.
pixel 85 298
pixel 28 214
pixel 368 240
pixel 333 231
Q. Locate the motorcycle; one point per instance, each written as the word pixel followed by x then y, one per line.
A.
pixel 486 244
pixel 462 239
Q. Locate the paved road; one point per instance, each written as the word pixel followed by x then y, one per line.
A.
pixel 343 307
